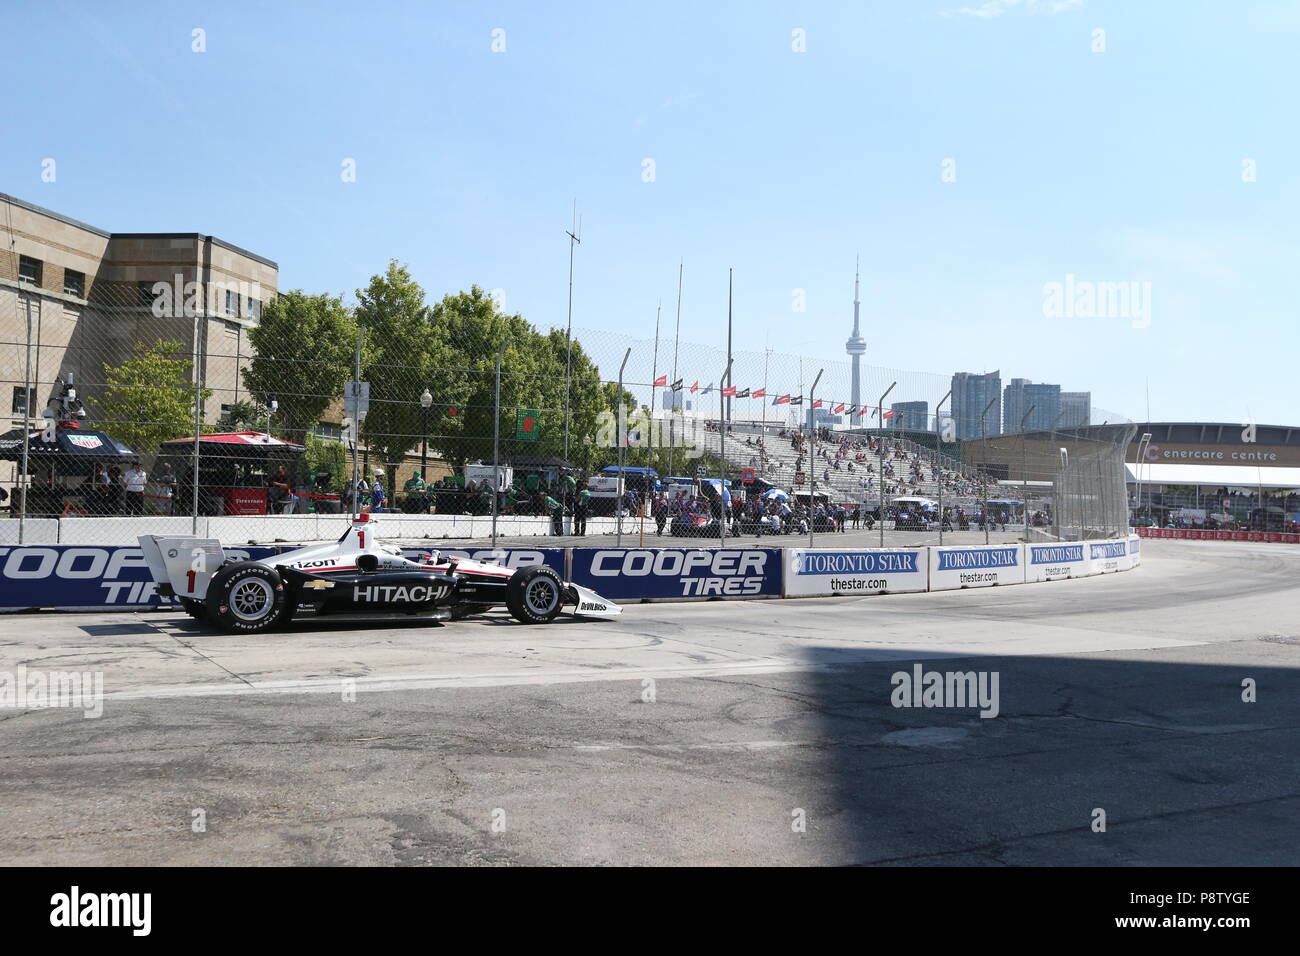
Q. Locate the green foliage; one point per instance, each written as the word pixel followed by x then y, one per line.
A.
pixel 451 349
pixel 242 416
pixel 149 399
pixel 305 346
pixel 325 455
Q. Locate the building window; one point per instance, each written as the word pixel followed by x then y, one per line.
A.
pixel 232 302
pixel 19 406
pixel 328 430
pixel 232 327
pixel 74 283
pixel 29 270
pixel 254 308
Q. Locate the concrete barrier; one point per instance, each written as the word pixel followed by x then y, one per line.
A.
pixel 815 572
pixel 114 577
pixel 1056 562
pixel 980 566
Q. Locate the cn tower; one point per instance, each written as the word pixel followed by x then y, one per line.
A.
pixel 856 345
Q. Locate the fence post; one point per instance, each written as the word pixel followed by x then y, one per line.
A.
pixel 880 424
pixel 812 460
pixel 198 403
pixel 496 443
pixel 621 483
pixel 723 508
pixel 24 480
pixel 938 443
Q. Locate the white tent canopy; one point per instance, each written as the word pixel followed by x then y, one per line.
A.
pixel 1218 476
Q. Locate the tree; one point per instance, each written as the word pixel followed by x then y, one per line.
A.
pixel 305 345
pixel 149 399
pixel 451 349
pixel 400 350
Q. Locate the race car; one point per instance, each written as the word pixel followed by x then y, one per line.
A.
pixel 696 524
pixel 354 578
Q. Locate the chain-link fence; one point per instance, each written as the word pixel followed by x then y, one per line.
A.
pixel 175 404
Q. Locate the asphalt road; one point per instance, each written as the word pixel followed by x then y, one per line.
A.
pixel 714 733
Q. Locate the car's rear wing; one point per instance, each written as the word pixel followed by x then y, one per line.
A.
pixel 182 567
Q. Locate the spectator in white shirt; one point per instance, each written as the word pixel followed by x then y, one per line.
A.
pixel 135 479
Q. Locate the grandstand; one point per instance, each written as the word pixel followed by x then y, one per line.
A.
pixel 848 465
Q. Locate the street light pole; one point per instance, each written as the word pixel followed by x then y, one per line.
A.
pixel 622 440
pixel 880 442
pixel 938 435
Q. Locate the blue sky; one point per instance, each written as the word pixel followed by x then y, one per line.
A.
pixel 1117 166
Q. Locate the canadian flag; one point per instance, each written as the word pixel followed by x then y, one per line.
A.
pixel 758 393
pixel 838 408
pixel 695 388
pixel 817 404
pixel 783 400
pixel 864 410
pixel 729 391
pixel 888 414
pixel 662 380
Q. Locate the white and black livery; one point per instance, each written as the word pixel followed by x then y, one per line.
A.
pixel 355 577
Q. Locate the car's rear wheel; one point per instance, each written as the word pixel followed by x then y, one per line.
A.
pixel 534 595
pixel 248 598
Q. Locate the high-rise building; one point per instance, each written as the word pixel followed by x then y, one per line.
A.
pixel 971 393
pixel 910 416
pixel 1041 402
pixel 1076 408
pixel 856 345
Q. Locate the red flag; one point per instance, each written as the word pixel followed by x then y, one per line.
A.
pixel 817 404
pixel 838 408
pixel 783 400
pixel 729 391
pixel 758 393
pixel 662 380
pixel 888 414
pixel 695 388
pixel 864 410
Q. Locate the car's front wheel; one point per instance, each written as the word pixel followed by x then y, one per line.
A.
pixel 248 598
pixel 534 595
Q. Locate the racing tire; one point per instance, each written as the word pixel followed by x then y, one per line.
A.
pixel 534 595
pixel 247 598
pixel 195 608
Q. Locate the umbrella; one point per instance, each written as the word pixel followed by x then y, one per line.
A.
pixel 233 445
pixel 776 493
pixel 73 450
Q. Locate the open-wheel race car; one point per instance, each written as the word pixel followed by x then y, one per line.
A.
pixel 354 578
